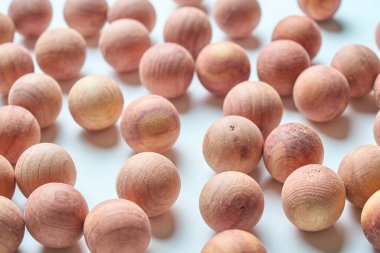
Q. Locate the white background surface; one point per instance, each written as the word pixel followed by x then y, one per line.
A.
pixel 99 156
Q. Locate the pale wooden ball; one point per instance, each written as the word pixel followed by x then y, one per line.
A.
pixel 7 179
pixel 40 94
pixel 150 123
pixel 376 128
pixel 233 143
pixel 370 220
pixel 321 93
pixel 54 215
pixel 61 53
pixel 117 226
pixel 289 147
pixel 376 91
pixel 313 197
pixel 377 35
pixel 189 2
pixel 231 200
pixel 360 65
pixel 280 63
pixel 123 43
pixel 221 66
pixel 96 102
pixel 319 10
pixel 41 164
pixel 167 70
pixel 150 180
pixel 7 29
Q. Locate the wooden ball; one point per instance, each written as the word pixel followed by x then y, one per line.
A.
pixel 189 2
pixel 19 130
pixel 54 215
pixel 41 164
pixel 167 70
pixel 221 66
pixel 377 35
pixel 150 123
pixel 117 226
pixel 231 200
pixel 256 101
pixel 313 197
pixel 7 29
pixel 300 29
pixel 12 226
pixel 376 91
pixel 150 180
pixel 237 18
pixel 96 102
pixel 15 61
pixel 360 65
pixel 319 10
pixel 190 28
pixel 123 43
pixel 280 63
pixel 321 93
pixel 7 180
pixel 376 128
pixel 289 147
pixel 40 94
pixel 370 220
pixel 236 241
pixel 86 16
pixel 360 174
pixel 61 53
pixel 233 143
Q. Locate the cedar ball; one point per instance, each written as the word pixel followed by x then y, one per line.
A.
pixel 370 220
pixel 7 180
pixel 7 29
pixel 319 10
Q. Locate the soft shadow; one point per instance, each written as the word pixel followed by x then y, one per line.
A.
pixel 107 138
pixel 130 78
pixel 331 25
pixel 49 133
pixel 4 99
pixel 182 103
pixel 374 250
pixel 73 249
pixel 288 103
pixel 172 156
pixel 365 104
pixel 355 212
pixel 66 85
pixel 250 43
pixel 29 42
pixel 163 226
pixel 330 240
pixel 93 42
pixel 256 174
pixel 338 128
pixel 273 186
pixel 214 101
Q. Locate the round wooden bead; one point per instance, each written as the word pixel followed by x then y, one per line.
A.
pixel 376 91
pixel 96 102
pixel 280 63
pixel 233 143
pixel 117 226
pixel 313 197
pixel 377 35
pixel 189 2
pixel 7 29
pixel 370 220
pixel 40 94
pixel 7 180
pixel 231 200
pixel 376 128
pixel 321 93
pixel 319 10
pixel 41 164
pixel 54 215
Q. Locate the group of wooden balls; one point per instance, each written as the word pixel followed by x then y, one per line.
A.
pixel 148 184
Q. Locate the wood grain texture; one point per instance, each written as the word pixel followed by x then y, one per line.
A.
pixel 7 179
pixel 7 29
pixel 370 220
pixel 319 10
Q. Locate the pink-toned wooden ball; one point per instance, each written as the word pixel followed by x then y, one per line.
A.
pixel 189 2
pixel 280 63
pixel 377 35
pixel 31 17
pixel 167 70
pixel 221 66
pixel 319 10
pixel 231 200
pixel 150 123
pixel 54 215
pixel 117 226
pixel 370 220
pixel 40 94
pixel 321 93
pixel 7 179
pixel 7 29
pixel 61 53
pixel 376 128
pixel 376 91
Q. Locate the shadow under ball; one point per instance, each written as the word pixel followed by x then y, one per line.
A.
pixel 117 226
pixel 189 2
pixel 370 220
pixel 7 180
pixel 376 129
pixel 319 10
pixel 7 29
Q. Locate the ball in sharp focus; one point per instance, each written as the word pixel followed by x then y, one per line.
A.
pixel 319 10
pixel 7 179
pixel 7 29
pixel 370 220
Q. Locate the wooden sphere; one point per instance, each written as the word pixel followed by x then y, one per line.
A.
pixel 41 164
pixel 140 10
pixel 189 2
pixel 123 43
pixel 370 220
pixel 190 28
pixel 359 170
pixel 376 91
pixel 280 63
pixel 150 123
pixel 12 226
pixel 237 18
pixel 15 61
pixel 96 102
pixel 117 225
pixel 360 65
pixel 319 10
pixel 86 16
pixel 54 215
pixel 61 53
pixel 40 94
pixel 7 29
pixel 236 241
pixel 289 147
pixel 231 200
pixel 150 180
pixel 321 93
pixel 256 101
pixel 19 130
pixel 7 180
pixel 376 128
pixel 233 143
pixel 302 30
pixel 377 35
pixel 313 197
pixel 167 70
pixel 221 66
